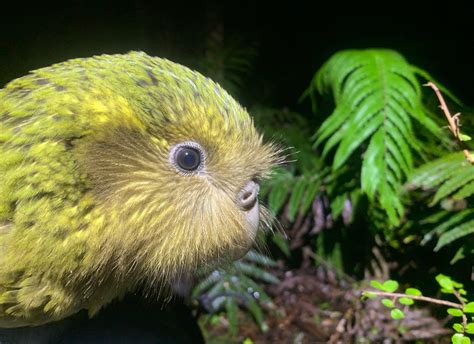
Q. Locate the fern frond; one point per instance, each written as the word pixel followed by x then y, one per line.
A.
pixel 235 286
pixel 378 100
pixel 451 175
pixel 455 233
pixel 444 226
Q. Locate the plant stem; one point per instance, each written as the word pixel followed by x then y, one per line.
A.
pixel 416 297
pixel 459 297
pixel 452 120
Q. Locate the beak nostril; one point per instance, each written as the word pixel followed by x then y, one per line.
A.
pixel 247 197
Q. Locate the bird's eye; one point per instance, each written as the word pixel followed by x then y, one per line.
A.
pixel 187 157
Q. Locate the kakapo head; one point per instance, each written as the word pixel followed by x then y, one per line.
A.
pixel 179 182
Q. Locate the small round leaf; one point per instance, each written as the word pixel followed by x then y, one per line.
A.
pixel 376 284
pixel 458 328
pixel 445 282
pixel 413 291
pixel 455 312
pixel 459 338
pixel 469 308
pixel 390 286
pixel 406 301
pixel 387 303
pixel 469 328
pixel 397 314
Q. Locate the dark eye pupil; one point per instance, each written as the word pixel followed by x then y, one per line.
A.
pixel 188 159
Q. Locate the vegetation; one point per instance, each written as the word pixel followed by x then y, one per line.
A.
pixel 462 309
pixel 375 164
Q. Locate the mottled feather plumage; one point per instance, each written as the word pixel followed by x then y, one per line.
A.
pixel 90 205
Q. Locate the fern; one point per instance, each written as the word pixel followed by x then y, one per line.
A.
pixel 452 177
pixel 378 104
pixel 297 183
pixel 227 289
pixel 299 191
pixel 455 233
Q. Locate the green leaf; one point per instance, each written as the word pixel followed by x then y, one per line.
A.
pixel 387 303
pixel 309 196
pixel 255 272
pixel 217 289
pixel 406 301
pixel 278 195
pixel 231 312
pixel 397 314
pixel 465 191
pixel 435 172
pixel 461 178
pixel 445 282
pixel 453 221
pixel 358 133
pixel 455 312
pixel 452 176
pixel 249 283
pixel 469 328
pixel 455 233
pixel 247 341
pixel 256 311
pixel 413 291
pixel 459 338
pixel 258 258
pixel 337 205
pixel 282 243
pixel 458 328
pixel 390 286
pixel 296 197
pixel 464 137
pixel 206 283
pixel 377 285
pixel 469 308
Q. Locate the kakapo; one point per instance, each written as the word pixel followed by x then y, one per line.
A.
pixel 115 171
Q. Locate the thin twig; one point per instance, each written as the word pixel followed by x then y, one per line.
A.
pixel 415 297
pixel 461 300
pixel 453 121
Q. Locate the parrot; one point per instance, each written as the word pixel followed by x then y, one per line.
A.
pixel 118 172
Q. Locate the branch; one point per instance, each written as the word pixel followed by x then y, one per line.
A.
pixel 416 297
pixel 452 120
pixel 461 300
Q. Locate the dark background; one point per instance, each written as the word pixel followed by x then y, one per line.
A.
pixel 292 41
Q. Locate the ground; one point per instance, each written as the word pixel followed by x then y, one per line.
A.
pixel 315 305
